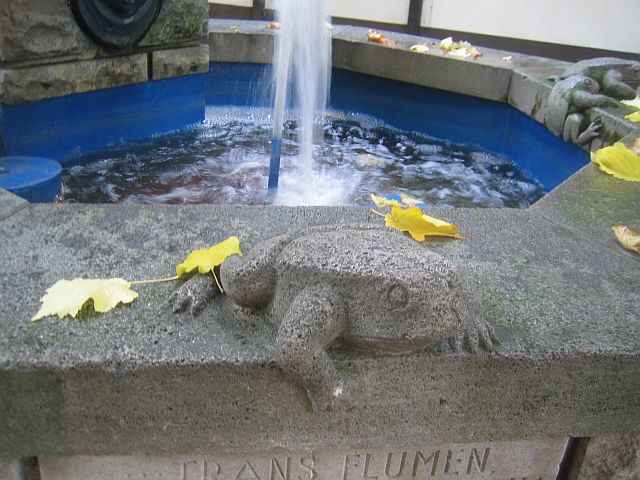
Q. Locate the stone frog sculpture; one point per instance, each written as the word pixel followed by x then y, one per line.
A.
pixel 370 288
pixel 598 82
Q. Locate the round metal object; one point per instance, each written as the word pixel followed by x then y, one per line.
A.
pixel 115 24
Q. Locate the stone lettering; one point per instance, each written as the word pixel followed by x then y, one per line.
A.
pixel 474 455
pixel 447 465
pixel 345 469
pixel 247 469
pixel 389 463
pixel 284 474
pixel 365 474
pixel 307 464
pixel 425 461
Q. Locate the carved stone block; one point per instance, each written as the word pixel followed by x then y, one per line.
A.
pixel 612 457
pixel 48 81
pixel 179 62
pixel 522 460
pixel 179 21
pixel 32 31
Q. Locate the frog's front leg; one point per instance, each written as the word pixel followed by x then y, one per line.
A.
pixel 314 320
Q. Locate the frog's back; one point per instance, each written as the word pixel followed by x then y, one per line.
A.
pixel 396 293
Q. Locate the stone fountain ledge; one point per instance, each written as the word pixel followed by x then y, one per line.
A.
pixel 562 296
pixel 521 81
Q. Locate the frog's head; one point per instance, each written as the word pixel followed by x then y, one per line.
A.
pixel 415 300
pixel 630 73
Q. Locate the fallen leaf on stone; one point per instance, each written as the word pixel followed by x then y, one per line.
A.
pixel 635 103
pixel 273 26
pixel 628 237
pixel 419 225
pixel 235 28
pixel 507 58
pixel 68 297
pixel 619 161
pixel 376 37
pixel 419 48
pixel 459 49
pixel 206 259
pixel 380 201
pixel 633 117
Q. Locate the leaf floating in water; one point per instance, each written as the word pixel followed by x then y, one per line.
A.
pixel 68 297
pixel 633 117
pixel 206 259
pixel 459 49
pixel 619 161
pixel 420 225
pixel 419 48
pixel 376 37
pixel 628 237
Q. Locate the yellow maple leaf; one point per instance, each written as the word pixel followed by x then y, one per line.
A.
pixel 419 225
pixel 633 117
pixel 619 161
pixel 628 237
pixel 206 259
pixel 67 297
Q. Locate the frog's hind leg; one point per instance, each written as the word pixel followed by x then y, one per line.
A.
pixel 313 322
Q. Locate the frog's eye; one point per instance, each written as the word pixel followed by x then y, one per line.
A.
pixel 396 297
pixel 636 68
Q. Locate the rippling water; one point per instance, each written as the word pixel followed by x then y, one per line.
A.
pixel 226 160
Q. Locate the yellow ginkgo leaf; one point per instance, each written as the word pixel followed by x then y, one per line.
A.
pixel 206 259
pixel 619 161
pixel 633 117
pixel 67 297
pixel 384 202
pixel 419 225
pixel 628 237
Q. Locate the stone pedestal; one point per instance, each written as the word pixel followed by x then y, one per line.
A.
pixel 612 457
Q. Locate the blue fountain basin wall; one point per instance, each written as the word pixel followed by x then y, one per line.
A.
pixel 461 119
pixel 66 128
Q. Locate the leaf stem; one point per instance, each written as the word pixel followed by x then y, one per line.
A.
pixel 217 282
pixel 155 280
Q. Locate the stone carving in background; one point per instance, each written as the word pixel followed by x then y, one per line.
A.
pixel 599 82
pixel 369 288
pixel 115 24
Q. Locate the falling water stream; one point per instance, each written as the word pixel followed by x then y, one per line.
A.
pixel 302 77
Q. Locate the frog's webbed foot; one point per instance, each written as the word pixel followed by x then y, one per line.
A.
pixel 313 322
pixel 194 294
pixel 479 336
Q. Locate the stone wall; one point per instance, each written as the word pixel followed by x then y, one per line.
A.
pixel 45 54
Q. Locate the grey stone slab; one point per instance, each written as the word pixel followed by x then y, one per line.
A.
pixel 180 61
pixel 590 203
pixel 240 47
pixel 48 81
pixel 10 469
pixel 179 21
pixel 615 457
pixel 10 204
pixel 142 380
pixel 32 32
pixel 446 73
pixel 537 459
pixel 529 93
